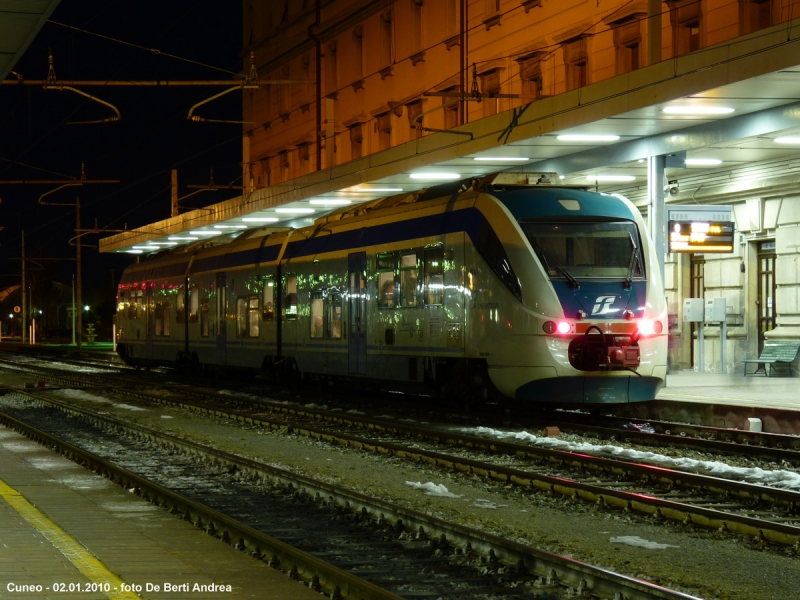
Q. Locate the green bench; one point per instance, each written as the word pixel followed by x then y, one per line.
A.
pixel 775 352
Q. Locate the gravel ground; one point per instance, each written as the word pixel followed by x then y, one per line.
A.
pixel 699 562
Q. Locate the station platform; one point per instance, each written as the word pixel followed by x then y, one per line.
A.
pixel 73 533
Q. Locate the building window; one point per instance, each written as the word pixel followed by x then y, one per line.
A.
pixel 290 309
pixel 450 111
pixel 414 109
pixel 384 124
pixel 286 164
pixel 434 276
pixel 686 18
pixel 356 141
pixel 387 35
pixel 576 60
pixel 530 74
pixel 409 276
pixel 628 42
pixel 416 25
pixel 268 300
pixel 490 85
pixel 332 68
pixel 358 53
pixel 304 155
pixel 754 15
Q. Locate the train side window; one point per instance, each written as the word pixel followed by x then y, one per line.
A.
pixel 409 275
pixel 194 304
pixel 180 304
pixel 247 322
pixel 205 330
pixel 291 297
pixel 162 315
pixel 317 326
pixel 434 276
pixel 268 300
pixel 334 315
pixel 136 304
pixel 385 267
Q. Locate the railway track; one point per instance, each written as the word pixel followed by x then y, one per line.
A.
pixel 764 513
pixel 371 549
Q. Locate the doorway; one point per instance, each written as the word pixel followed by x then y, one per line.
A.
pixel 765 300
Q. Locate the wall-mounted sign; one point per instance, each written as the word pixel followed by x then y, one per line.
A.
pixel 702 229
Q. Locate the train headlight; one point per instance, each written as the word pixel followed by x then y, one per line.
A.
pixel 564 327
pixel 649 327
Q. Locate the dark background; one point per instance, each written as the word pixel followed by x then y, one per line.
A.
pixel 152 137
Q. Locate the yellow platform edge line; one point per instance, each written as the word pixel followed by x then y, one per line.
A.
pixel 83 560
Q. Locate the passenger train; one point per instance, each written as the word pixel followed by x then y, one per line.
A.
pixel 547 295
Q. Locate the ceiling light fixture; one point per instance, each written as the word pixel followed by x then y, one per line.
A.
pixel 503 158
pixel 230 226
pixel 182 238
pixel 787 140
pixel 149 247
pixel 331 202
pixel 133 251
pixel 435 176
pixel 260 219
pixel 200 232
pixel 587 137
pixel 294 211
pixel 611 177
pixel 703 162
pixel 697 109
pixel 377 189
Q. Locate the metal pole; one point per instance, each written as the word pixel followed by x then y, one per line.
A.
pixel 78 277
pixel 73 310
pixel 24 312
pixel 700 344
pixel 723 341
pixel 657 209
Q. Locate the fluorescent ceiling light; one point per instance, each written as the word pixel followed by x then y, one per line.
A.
pixel 260 219
pixel 378 189
pixel 184 238
pixel 703 162
pixel 145 247
pixel 331 202
pixel 587 137
pixel 200 232
pixel 610 177
pixel 294 211
pixel 133 251
pixel 167 243
pixel 787 140
pixel 503 158
pixel 697 109
pixel 230 226
pixel 435 176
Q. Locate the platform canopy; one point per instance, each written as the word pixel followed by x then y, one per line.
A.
pixel 734 107
pixel 20 22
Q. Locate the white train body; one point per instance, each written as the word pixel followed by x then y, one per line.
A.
pixel 547 295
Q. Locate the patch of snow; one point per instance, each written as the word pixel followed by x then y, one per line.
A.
pixel 635 540
pixel 433 489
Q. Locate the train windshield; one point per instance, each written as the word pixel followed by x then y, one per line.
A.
pixel 577 250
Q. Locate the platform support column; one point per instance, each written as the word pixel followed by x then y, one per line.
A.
pixel 656 207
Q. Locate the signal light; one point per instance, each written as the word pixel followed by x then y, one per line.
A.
pixel 648 327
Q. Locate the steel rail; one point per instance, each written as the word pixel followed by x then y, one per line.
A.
pixel 556 571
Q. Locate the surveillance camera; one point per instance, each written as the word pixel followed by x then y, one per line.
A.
pixel 674 190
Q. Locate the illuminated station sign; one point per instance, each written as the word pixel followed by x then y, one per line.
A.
pixel 701 229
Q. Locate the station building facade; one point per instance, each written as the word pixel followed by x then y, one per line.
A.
pixel 353 78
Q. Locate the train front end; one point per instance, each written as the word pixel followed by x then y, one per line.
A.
pixel 592 325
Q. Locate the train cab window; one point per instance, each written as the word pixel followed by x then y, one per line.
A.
pixel 434 276
pixel 291 298
pixel 194 304
pixel 268 300
pixel 334 316
pixel 205 329
pixel 385 266
pixel 137 307
pixel 162 319
pixel 247 322
pixel 409 275
pixel 122 302
pixel 180 304
pixel 317 326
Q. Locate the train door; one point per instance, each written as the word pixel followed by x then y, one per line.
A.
pixel 357 344
pixel 766 291
pixel 698 263
pixel 220 314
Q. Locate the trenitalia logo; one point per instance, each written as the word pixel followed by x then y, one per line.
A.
pixel 602 306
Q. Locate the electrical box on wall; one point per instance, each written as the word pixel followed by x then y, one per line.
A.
pixel 715 310
pixel 693 310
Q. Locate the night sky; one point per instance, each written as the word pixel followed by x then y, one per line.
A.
pixel 152 137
